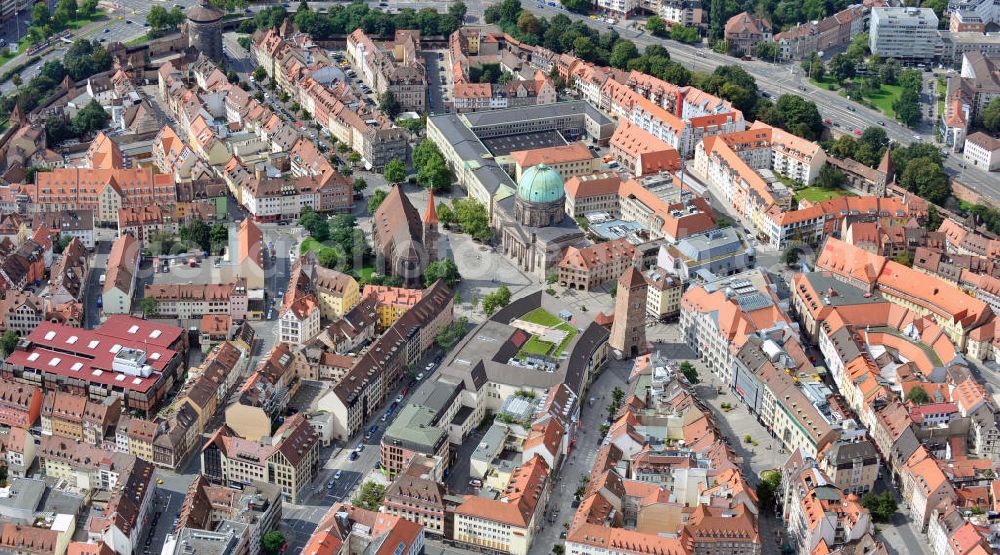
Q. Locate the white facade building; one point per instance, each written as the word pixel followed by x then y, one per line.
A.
pixel 906 33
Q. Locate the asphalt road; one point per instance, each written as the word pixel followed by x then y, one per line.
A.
pixel 435 80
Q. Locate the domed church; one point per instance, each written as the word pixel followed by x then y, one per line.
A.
pixel 534 231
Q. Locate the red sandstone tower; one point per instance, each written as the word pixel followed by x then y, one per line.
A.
pixel 628 332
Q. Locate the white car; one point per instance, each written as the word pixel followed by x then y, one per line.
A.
pixel 420 376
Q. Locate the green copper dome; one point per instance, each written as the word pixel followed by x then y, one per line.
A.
pixel 540 184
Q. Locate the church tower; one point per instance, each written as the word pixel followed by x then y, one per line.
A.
pixel 430 229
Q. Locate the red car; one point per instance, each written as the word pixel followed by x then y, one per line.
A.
pixel 828 121
pixel 857 132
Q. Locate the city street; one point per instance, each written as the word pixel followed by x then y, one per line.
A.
pixel 580 462
pixel 301 519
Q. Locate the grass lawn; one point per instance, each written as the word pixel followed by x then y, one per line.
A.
pixel 366 273
pixel 311 244
pixel 565 342
pixel 541 317
pixel 828 83
pixel 536 346
pixel 816 194
pixel 138 40
pixel 884 99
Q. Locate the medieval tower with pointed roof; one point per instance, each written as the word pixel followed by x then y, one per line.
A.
pixel 628 332
pixel 430 234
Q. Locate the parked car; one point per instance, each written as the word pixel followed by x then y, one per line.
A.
pixel 476 483
pixel 338 474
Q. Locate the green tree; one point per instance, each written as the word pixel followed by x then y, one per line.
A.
pixel 85 58
pixel 8 342
pixel 444 269
pixel 90 119
pixel 259 74
pixel 40 15
pixel 876 138
pixel 394 171
pixel 842 68
pixel 458 10
pixel 907 107
pixel 768 487
pixel 843 146
pixel 360 184
pixel 926 178
pixel 528 24
pixel 767 50
pixel 799 116
pixel 934 218
pixel 690 372
pixel 857 50
pixel 791 255
pixel 389 105
pixel 493 301
pixel 88 8
pixel 901 156
pixel 918 396
pixel 657 26
pixel 375 201
pixel 451 334
pixel 65 12
pixel 149 306
pixel 445 214
pixel 196 232
pixel 272 542
pixel 219 235
pixel 369 496
pixel 623 51
pixel 577 6
pixel 830 178
pixel 234 78
pixel 473 219
pixel 158 17
pixel 62 243
pixel 991 115
pixel 881 506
